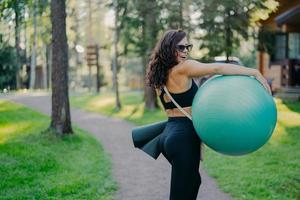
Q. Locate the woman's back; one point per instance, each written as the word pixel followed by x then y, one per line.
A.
pixel 182 89
pixel 176 82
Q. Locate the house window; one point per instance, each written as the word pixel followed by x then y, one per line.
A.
pixel 294 45
pixel 280 46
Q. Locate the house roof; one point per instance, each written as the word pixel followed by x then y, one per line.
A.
pixel 284 5
pixel 290 16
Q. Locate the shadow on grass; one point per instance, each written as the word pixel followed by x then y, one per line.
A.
pixel 8 112
pixel 293 106
pixel 134 110
pixel 293 133
pixel 291 187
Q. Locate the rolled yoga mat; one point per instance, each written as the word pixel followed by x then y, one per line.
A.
pixel 147 137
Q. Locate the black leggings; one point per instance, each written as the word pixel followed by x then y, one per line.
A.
pixel 180 145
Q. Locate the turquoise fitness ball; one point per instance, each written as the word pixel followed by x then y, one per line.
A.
pixel 233 115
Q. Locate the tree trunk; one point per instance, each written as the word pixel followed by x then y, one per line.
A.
pixel 60 117
pixel 33 53
pixel 150 33
pixel 45 68
pixel 49 64
pixel 77 41
pixel 227 40
pixel 180 15
pixel 149 92
pixel 98 71
pixel 115 57
pixel 228 35
pixel 26 50
pixel 17 42
pixel 90 40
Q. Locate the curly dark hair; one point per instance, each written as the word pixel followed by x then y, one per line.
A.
pixel 163 58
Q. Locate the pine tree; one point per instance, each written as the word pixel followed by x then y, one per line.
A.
pixel 60 117
pixel 225 23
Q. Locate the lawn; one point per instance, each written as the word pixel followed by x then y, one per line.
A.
pixel 132 109
pixel 35 164
pixel 271 173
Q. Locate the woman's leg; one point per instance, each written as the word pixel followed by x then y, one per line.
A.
pixel 183 152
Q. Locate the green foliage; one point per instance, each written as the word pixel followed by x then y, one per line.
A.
pixel 8 7
pixel 266 41
pixel 142 20
pixel 225 23
pixel 44 22
pixel 172 19
pixel 8 66
pixel 37 165
pixel 133 26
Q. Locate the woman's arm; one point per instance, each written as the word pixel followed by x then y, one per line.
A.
pixel 193 68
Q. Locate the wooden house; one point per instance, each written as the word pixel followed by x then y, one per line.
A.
pixel 279 49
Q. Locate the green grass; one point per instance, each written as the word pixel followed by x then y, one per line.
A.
pixel 132 107
pixel 271 173
pixel 35 164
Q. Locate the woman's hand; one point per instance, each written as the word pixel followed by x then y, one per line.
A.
pixel 263 81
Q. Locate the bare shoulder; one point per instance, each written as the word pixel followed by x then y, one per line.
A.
pixel 193 68
pixel 186 65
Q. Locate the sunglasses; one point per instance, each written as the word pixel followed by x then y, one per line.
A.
pixel 181 47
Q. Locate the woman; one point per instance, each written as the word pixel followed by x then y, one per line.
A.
pixel 179 143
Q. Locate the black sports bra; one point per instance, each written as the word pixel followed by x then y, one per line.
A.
pixel 184 99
